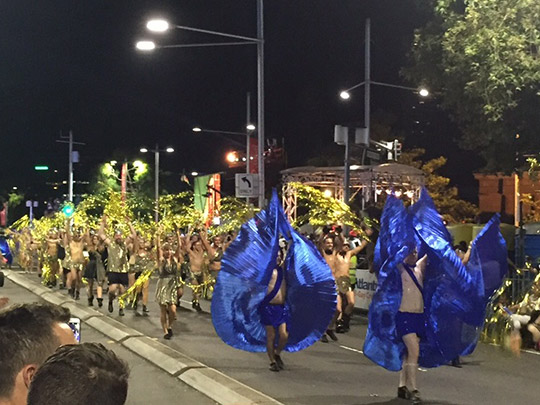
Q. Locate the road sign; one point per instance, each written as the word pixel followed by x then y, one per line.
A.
pixel 247 185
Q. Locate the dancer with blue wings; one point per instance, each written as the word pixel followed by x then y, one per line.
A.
pixel 428 311
pixel 255 293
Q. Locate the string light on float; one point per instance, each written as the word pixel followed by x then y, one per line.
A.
pixel 378 191
pixel 327 193
pixel 409 193
pixel 398 193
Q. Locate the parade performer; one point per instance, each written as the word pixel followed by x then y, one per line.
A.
pixel 428 312
pixel 166 289
pixel 117 266
pixel 74 243
pixel 198 267
pixel 95 270
pixel 243 283
pixel 145 262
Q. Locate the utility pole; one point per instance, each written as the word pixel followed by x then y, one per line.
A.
pixel 248 135
pixel 367 80
pixel 260 99
pixel 69 140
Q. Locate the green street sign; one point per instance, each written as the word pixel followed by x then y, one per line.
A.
pixel 41 168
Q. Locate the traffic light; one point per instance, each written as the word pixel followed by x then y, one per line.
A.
pixel 68 210
pixel 397 149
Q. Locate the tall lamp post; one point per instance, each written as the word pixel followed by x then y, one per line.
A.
pixel 156 152
pixel 160 26
pixel 345 95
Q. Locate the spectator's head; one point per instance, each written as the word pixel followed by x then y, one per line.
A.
pixel 80 374
pixel 29 333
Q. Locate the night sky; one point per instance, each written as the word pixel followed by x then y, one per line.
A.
pixel 68 64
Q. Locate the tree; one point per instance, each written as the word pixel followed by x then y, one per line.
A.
pixel 481 57
pixel 444 196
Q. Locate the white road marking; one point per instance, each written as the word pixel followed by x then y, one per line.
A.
pixel 351 349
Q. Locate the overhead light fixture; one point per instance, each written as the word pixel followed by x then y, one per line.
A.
pixel 145 45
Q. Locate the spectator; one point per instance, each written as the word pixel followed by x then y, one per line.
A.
pixel 29 333
pixel 81 374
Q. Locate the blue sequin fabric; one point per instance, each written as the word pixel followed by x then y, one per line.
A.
pixel 242 283
pixel 455 295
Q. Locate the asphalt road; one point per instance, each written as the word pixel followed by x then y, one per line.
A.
pixel 147 384
pixel 338 372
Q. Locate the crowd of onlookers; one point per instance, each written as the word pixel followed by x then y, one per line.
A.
pixel 42 364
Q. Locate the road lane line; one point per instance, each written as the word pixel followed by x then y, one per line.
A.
pixel 351 349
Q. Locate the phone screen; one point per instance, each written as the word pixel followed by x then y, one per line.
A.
pixel 75 325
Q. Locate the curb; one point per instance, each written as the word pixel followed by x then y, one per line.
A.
pixel 217 386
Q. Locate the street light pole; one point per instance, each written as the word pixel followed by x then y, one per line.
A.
pixel 156 182
pixel 248 135
pixel 162 26
pixel 367 79
pixel 260 99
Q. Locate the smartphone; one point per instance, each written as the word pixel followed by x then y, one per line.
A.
pixel 75 325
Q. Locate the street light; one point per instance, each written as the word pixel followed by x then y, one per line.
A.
pixel 345 95
pixel 157 25
pixel 145 45
pixel 160 26
pixel 156 152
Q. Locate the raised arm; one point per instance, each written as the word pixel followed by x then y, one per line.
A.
pixel 101 232
pixel 204 239
pixel 358 249
pixel 67 233
pixel 179 240
pixel 134 237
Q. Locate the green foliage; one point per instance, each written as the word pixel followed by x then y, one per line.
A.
pixel 445 197
pixel 481 57
pixel 15 199
pixel 320 210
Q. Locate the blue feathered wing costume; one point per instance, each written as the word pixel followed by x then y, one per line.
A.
pixel 455 295
pixel 246 270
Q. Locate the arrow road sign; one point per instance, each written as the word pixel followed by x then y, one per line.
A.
pixel 247 185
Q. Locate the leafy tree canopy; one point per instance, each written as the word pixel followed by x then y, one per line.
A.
pixel 481 59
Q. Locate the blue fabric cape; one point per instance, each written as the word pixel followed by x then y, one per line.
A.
pixel 242 283
pixel 4 248
pixel 455 296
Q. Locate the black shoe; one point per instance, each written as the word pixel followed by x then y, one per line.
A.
pixel 121 311
pixel 274 367
pixel 456 363
pixel 415 397
pixel 404 393
pixel 71 292
pixel 169 332
pixel 91 301
pixel 168 335
pixel 279 362
pixel 340 328
pixel 77 295
pixel 111 309
pixel 332 335
pixel 324 338
pixel 197 307
pixel 100 302
pixel 145 310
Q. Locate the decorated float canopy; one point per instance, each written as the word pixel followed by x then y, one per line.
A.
pixel 366 182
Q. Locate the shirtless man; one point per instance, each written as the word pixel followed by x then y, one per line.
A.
pixel 117 264
pixel 410 322
pixel 197 258
pixel 330 255
pixel 345 297
pixel 51 255
pixel 74 243
pixel 274 314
